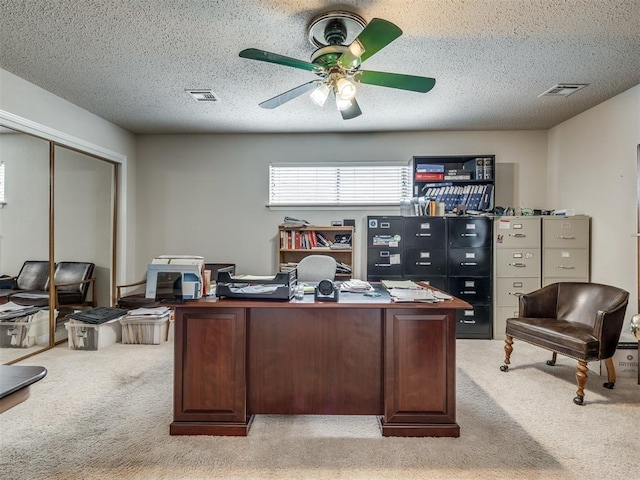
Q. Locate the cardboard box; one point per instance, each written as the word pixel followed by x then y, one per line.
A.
pixel 625 360
pixel 89 336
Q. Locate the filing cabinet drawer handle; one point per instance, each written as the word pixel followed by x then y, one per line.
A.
pixel 468 264
pixel 423 234
pixel 517 235
pixel 516 294
pixel 468 234
pixel 382 264
pixel 468 292
pixel 566 237
pixel 423 264
pixel 566 267
pixel 518 264
pixel 468 321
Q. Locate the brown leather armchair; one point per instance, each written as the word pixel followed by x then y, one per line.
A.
pixel 580 320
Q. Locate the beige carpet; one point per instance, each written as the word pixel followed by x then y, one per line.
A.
pixel 106 414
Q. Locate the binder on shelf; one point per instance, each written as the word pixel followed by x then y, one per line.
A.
pixel 488 168
pixel 429 168
pixel 476 167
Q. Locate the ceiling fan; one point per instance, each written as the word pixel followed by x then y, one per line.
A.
pixel 338 64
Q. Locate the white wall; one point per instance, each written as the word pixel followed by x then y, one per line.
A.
pixel 51 115
pixel 207 194
pixel 593 168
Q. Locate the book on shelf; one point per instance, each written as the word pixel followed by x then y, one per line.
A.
pixel 422 176
pixel 429 168
pixel 476 167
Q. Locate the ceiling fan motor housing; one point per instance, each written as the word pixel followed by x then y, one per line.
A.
pixel 335 32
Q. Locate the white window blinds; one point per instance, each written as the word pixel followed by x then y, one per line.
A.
pixel 338 185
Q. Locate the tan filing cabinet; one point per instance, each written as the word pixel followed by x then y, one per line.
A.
pixel 518 261
pixel 566 249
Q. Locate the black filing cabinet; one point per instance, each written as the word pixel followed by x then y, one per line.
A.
pixel 469 273
pixel 425 250
pixel 384 247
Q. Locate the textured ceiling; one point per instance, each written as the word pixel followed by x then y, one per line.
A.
pixel 131 61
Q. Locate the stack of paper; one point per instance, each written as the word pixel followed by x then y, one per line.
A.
pixel 356 286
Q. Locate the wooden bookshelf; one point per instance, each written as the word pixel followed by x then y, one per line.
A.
pixel 295 243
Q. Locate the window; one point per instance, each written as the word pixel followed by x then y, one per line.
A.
pixel 2 182
pixel 338 184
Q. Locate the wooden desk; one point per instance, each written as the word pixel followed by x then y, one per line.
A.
pixel 15 383
pixel 361 356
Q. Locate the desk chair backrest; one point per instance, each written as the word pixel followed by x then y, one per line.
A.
pixel 314 268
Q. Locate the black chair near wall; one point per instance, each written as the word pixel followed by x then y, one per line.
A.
pixel 33 275
pixel 580 320
pixel 73 284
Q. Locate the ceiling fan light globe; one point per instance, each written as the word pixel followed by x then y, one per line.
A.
pixel 343 103
pixel 319 95
pixel 346 89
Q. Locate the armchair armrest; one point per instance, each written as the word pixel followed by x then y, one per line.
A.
pixel 119 288
pixel 541 303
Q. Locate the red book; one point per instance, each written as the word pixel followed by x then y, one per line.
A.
pixel 429 176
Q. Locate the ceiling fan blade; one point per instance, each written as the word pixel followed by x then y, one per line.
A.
pixel 376 35
pixel 352 112
pixel 255 54
pixel 395 80
pixel 289 95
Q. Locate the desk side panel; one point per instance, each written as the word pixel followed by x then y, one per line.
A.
pixel 210 380
pixel 420 370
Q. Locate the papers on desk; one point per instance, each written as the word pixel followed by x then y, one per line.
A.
pixel 389 284
pixel 356 286
pixel 259 288
pixel 423 295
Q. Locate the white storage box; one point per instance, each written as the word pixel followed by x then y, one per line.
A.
pixel 149 329
pixel 25 332
pixel 89 336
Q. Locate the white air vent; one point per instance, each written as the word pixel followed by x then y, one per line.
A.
pixel 202 94
pixel 563 89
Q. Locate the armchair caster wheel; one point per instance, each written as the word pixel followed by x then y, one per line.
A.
pixel 608 385
pixel 504 368
pixel 551 363
pixel 578 400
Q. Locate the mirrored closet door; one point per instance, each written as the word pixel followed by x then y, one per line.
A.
pixel 24 239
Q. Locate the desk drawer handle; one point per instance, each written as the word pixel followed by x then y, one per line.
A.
pixel 468 264
pixel 518 264
pixel 566 237
pixel 517 235
pixel 566 267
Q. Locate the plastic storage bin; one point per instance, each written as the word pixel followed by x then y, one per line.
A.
pixel 149 330
pixel 88 336
pixel 25 332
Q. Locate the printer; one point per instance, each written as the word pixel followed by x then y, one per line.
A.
pixel 178 277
